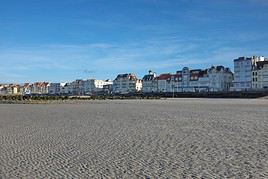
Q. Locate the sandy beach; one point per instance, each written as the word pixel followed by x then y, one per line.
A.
pixel 169 138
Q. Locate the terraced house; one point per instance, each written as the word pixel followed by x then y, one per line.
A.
pixel 216 78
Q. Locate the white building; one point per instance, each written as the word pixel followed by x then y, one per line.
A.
pixel 220 78
pixel 169 82
pixel 108 88
pixel 3 89
pixel 126 83
pixel 243 68
pixel 93 86
pixel 164 83
pixel 260 75
pixel 189 80
pixel 27 88
pixel 65 89
pixel 149 83
pixel 77 87
pixel 54 88
pixel 84 87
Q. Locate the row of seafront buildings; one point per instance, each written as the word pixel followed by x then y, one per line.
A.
pixel 77 87
pixel 250 74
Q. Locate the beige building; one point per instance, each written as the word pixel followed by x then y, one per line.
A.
pixel 10 89
pixel 16 90
pixel 260 76
pixel 39 88
pixel 126 83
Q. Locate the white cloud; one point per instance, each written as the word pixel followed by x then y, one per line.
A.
pixel 105 60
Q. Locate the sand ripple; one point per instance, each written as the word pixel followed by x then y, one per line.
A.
pixel 183 138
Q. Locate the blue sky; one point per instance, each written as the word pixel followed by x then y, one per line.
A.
pixel 63 40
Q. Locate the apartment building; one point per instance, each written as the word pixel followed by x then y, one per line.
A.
pixel 260 75
pixel 39 88
pixel 3 89
pixel 54 88
pixel 149 83
pixel 243 68
pixel 126 83
pixel 93 86
pixel 220 78
pixel 216 78
pixel 65 89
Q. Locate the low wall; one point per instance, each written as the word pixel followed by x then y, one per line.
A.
pixel 138 96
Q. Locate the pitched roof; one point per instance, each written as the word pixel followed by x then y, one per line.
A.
pixel 148 77
pixel 166 76
pixel 242 58
pixel 129 76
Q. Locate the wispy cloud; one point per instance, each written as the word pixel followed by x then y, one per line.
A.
pixel 64 62
pixel 95 59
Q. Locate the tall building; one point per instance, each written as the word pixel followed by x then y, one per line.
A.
pixel 149 83
pixel 243 68
pixel 260 75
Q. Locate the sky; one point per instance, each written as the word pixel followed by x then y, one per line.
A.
pixel 64 40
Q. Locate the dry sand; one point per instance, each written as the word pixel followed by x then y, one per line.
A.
pixel 180 138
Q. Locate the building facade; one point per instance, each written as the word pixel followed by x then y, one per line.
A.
pixel 54 88
pixel 220 78
pixel 260 75
pixel 243 68
pixel 149 83
pixel 93 86
pixel 216 79
pixel 3 89
pixel 65 89
pixel 126 83
pixel 39 88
